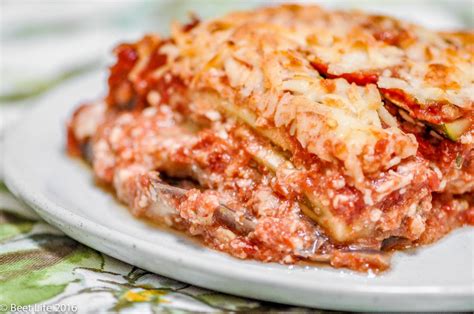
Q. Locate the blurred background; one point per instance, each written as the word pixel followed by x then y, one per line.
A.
pixel 44 43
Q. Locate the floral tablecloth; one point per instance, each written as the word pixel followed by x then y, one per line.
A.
pixel 43 44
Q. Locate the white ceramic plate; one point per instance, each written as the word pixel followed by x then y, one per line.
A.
pixel 61 190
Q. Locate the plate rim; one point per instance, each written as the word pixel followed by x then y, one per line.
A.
pixel 62 217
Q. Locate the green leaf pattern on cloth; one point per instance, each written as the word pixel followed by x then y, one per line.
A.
pixel 40 265
pixel 12 225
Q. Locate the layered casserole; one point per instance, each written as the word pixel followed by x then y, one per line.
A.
pixel 291 133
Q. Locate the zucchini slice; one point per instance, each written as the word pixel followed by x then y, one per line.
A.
pixel 451 130
pixel 454 130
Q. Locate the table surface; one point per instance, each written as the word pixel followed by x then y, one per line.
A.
pixel 44 44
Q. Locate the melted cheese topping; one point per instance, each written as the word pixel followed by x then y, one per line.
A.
pixel 434 81
pixel 429 66
pixel 259 61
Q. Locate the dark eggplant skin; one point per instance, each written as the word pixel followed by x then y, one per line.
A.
pixel 87 152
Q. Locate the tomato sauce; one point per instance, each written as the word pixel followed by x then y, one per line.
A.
pixel 359 78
